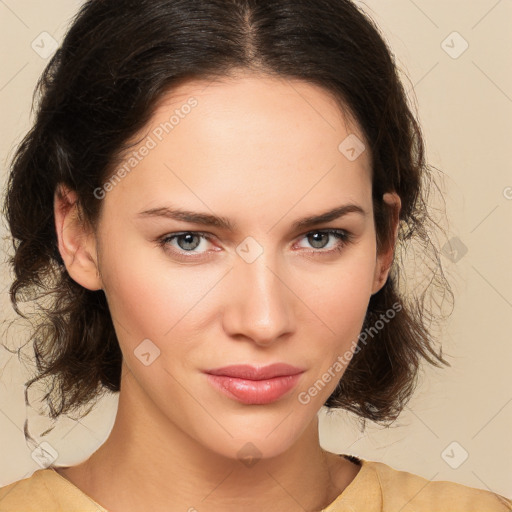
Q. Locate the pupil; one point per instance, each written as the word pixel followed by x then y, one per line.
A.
pixel 188 237
pixel 315 237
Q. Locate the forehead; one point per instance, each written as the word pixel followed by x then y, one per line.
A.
pixel 261 102
pixel 246 140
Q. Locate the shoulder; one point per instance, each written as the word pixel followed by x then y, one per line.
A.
pixel 45 490
pixel 406 492
pixel 25 494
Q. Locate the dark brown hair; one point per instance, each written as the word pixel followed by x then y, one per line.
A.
pixel 100 89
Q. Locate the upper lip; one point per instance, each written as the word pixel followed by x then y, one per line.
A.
pixel 247 371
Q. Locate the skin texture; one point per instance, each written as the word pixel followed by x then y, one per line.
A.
pixel 262 152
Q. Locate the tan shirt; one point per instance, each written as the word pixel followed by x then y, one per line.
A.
pixel 376 488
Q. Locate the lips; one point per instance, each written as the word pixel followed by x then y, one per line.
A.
pixel 255 385
pixel 245 371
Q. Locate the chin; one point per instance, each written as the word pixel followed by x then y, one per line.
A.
pixel 249 442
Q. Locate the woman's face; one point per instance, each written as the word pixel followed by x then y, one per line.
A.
pixel 262 155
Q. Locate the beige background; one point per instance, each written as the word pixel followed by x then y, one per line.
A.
pixel 465 107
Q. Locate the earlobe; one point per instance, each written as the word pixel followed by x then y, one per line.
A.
pixel 385 260
pixel 76 243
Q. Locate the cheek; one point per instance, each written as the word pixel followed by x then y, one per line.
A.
pixel 153 299
pixel 341 292
pixel 156 299
pixel 338 298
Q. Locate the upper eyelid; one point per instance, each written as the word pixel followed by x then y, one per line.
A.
pixel 209 236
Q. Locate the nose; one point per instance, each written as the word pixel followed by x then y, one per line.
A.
pixel 260 306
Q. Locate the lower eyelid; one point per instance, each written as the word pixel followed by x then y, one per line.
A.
pixel 174 236
pixel 343 238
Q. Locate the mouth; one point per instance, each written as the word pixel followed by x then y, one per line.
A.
pixel 255 385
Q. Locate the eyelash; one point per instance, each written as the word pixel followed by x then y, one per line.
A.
pixel 343 236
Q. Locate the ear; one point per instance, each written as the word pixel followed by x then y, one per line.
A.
pixel 385 259
pixel 77 243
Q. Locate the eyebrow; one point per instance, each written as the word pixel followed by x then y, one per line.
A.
pixel 224 223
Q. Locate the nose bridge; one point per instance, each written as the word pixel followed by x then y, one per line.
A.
pixel 259 305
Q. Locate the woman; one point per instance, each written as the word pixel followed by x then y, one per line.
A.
pixel 213 192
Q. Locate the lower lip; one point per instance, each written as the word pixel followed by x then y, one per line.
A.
pixel 254 391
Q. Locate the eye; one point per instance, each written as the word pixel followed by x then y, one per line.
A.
pixel 317 239
pixel 187 243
